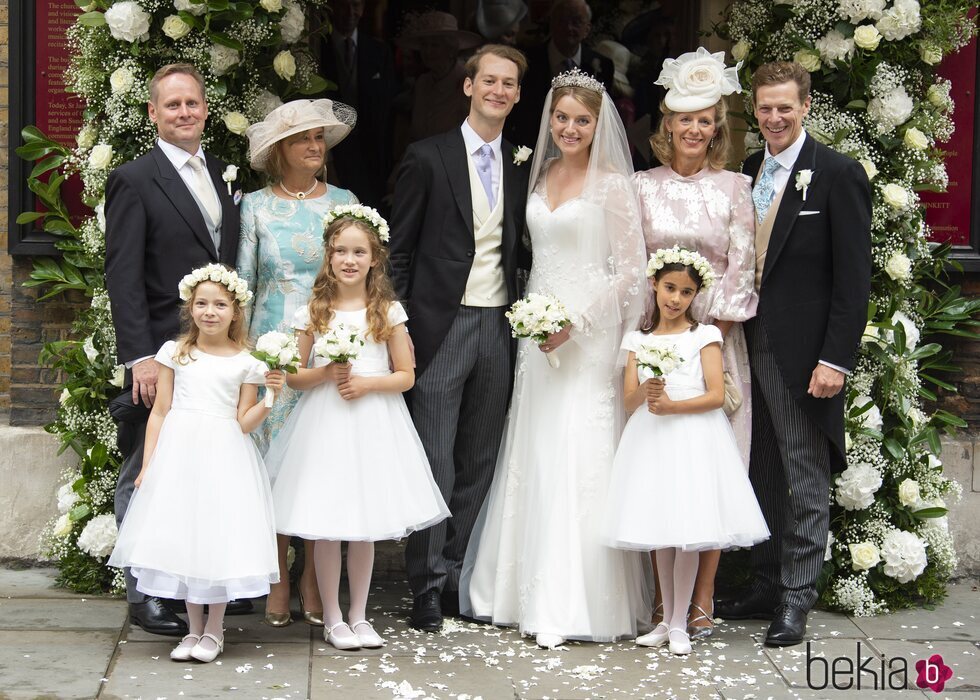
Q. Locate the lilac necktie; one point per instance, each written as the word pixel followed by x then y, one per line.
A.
pixel 484 158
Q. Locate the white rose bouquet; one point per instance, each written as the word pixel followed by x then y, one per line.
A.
pixel 536 317
pixel 340 344
pixel 659 358
pixel 278 351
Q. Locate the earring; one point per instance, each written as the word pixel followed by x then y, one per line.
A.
pixel 670 134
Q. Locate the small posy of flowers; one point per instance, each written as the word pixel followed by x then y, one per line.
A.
pixel 660 359
pixel 521 154
pixel 803 179
pixel 667 256
pixel 219 274
pixel 537 316
pixel 368 215
pixel 340 344
pixel 278 350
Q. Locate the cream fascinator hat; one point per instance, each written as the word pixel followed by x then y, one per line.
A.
pixel 336 119
pixel 697 80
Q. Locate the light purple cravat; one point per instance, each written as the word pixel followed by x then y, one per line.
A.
pixel 484 159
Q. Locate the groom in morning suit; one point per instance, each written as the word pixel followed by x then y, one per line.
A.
pixel 167 212
pixel 456 227
pixel 813 273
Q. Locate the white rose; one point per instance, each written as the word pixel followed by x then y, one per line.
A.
pixel 899 267
pixel 938 96
pixel 86 137
pixel 900 21
pixel 864 555
pixel 271 5
pixel 121 80
pixel 857 10
pixel 870 418
pixel 285 65
pixel 67 498
pixel 741 50
pixel 292 24
pixel 100 215
pixel 523 153
pixel 118 376
pixel 128 22
pixel 88 347
pixel 929 53
pixel 100 157
pixel 98 537
pixel 908 493
pixel 872 334
pixel 915 139
pixel 892 110
pixel 857 485
pixel 195 8
pixel 286 356
pixel 867 37
pixel 895 196
pixel 869 167
pixel 175 27
pixel 65 395
pixel 835 46
pixel 912 333
pixel 235 122
pixel 809 59
pixel 265 102
pixel 223 58
pixel 904 555
pixel 62 526
pixel 272 342
pixel 829 552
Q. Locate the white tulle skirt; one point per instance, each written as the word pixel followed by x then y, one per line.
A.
pixel 352 470
pixel 678 481
pixel 200 527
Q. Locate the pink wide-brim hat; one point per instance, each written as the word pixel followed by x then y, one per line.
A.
pixel 335 118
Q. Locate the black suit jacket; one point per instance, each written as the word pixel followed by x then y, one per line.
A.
pixel 432 244
pixel 155 234
pixel 522 126
pixel 817 276
pixel 362 161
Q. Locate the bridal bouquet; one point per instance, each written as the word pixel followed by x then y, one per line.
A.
pixel 278 351
pixel 536 317
pixel 660 359
pixel 340 344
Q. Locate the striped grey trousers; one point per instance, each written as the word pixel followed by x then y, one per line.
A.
pixel 790 472
pixel 459 405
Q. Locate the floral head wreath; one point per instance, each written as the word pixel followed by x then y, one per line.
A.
pixel 688 258
pixel 577 78
pixel 697 80
pixel 368 215
pixel 219 274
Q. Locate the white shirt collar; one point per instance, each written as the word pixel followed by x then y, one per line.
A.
pixel 787 158
pixel 178 156
pixel 474 141
pixel 555 57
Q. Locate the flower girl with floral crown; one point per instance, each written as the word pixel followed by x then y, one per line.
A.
pixel 681 448
pixel 200 526
pixel 348 465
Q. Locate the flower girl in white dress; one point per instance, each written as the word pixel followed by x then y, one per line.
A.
pixel 348 465
pixel 200 526
pixel 679 446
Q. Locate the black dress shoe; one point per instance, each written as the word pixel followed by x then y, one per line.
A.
pixel 788 627
pixel 750 606
pixel 239 607
pixel 449 600
pixel 156 618
pixel 426 612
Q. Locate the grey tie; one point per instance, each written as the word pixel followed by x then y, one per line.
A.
pixel 204 190
pixel 483 165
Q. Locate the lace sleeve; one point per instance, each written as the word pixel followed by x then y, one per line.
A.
pixel 736 298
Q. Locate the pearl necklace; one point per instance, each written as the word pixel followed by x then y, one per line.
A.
pixel 300 195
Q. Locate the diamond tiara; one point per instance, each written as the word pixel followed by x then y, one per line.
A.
pixel 577 78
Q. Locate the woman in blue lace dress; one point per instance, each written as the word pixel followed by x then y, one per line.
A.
pixel 279 254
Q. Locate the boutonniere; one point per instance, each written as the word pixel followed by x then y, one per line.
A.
pixel 803 179
pixel 230 175
pixel 521 154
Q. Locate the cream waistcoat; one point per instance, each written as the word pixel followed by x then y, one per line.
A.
pixel 763 232
pixel 485 286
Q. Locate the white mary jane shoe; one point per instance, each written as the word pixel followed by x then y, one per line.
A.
pixel 678 642
pixel 349 642
pixel 366 635
pixel 549 641
pixel 182 652
pixel 208 655
pixel 656 638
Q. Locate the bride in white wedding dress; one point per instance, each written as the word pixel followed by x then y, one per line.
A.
pixel 535 559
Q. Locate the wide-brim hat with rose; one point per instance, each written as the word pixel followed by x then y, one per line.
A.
pixel 428 25
pixel 335 118
pixel 697 80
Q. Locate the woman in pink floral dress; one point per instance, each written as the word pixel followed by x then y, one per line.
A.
pixel 692 201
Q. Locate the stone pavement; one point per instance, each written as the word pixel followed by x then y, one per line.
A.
pixel 55 644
